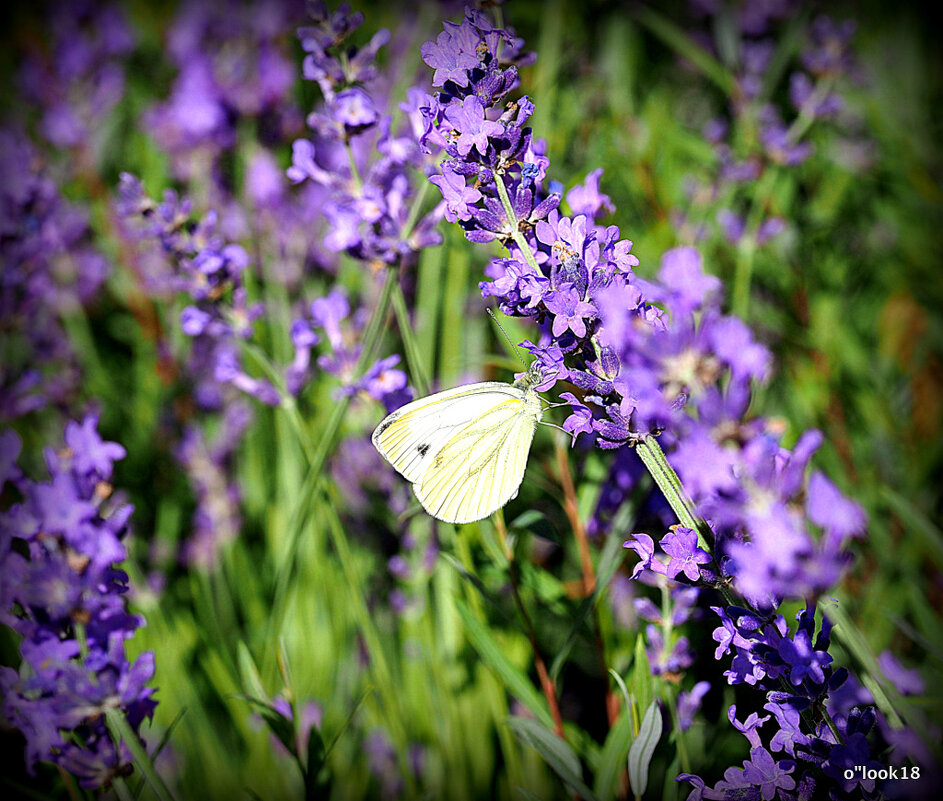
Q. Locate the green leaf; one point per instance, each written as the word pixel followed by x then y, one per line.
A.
pixel 165 738
pixel 641 675
pixel 279 725
pixel 922 527
pixel 642 750
pixel 686 47
pixel 536 523
pixel 556 751
pixel 317 780
pixel 493 656
pixel 248 673
pixel 470 577
pixel 613 757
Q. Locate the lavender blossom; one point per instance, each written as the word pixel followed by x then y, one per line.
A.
pixel 233 65
pixel 81 78
pixel 62 593
pixel 208 270
pixel 361 165
pixel 49 267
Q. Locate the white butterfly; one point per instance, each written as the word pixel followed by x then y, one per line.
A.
pixel 465 449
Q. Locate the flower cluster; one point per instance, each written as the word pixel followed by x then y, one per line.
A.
pixel 667 654
pixel 332 316
pixel 81 77
pixel 208 270
pixel 49 268
pixel 233 66
pixel 63 594
pixel 354 152
pixel 755 137
pixel 815 751
pixel 648 358
pixel 475 70
pixel 207 463
pixel 644 356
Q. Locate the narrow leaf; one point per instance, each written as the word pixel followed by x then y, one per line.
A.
pixel 613 757
pixel 556 751
pixel 641 675
pixel 491 653
pixel 642 750
pixel 317 780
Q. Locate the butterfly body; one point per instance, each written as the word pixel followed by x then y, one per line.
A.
pixel 465 449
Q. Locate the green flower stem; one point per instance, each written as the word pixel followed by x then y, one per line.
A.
pixel 746 249
pixel 387 689
pixel 681 43
pixel 354 171
pixel 325 445
pixel 415 210
pixel 516 234
pixel 765 189
pixel 653 457
pixel 806 115
pixel 410 345
pixel 287 403
pixel 121 730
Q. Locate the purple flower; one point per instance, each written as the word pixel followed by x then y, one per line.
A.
pixel 680 544
pixel 68 579
pixel 453 54
pixel 354 109
pixel 570 310
pixel 468 118
pixel 459 198
pixel 682 272
pixel 828 508
pixel 689 703
pixel 586 200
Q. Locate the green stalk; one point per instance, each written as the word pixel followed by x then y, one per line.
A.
pixel 764 191
pixel 746 250
pixel 287 403
pixel 410 345
pixel 386 687
pixel 686 47
pixel 325 445
pixel 122 732
pixel 122 790
pixel 653 457
pixel 516 234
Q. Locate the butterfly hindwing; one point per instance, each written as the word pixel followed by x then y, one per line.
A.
pixel 480 468
pixel 413 435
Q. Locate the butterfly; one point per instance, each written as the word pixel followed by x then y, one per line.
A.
pixel 465 449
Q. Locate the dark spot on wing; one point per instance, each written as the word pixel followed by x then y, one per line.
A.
pixel 384 425
pixel 423 449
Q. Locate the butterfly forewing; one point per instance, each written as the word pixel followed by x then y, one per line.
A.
pixel 412 436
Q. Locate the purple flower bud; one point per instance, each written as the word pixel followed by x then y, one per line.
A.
pixel 193 321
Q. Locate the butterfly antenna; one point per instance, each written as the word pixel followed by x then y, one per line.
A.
pixel 514 347
pixel 570 434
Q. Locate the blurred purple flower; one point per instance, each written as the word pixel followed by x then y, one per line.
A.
pixel 58 554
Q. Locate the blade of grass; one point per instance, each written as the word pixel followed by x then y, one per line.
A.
pixel 286 565
pixel 686 47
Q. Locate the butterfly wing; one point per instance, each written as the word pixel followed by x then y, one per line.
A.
pixel 412 436
pixel 480 468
